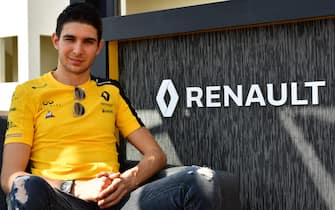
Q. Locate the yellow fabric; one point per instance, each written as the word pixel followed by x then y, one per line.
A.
pixel 63 146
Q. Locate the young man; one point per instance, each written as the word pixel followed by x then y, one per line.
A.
pixel 63 123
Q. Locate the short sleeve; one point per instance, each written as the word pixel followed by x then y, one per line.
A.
pixel 127 119
pixel 20 118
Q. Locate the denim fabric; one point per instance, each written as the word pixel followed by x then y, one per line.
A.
pixel 190 188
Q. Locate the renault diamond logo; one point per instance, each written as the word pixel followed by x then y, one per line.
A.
pixel 167 86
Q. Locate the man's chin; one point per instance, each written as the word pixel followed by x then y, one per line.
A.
pixel 78 69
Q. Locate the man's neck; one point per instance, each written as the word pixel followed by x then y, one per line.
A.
pixel 71 78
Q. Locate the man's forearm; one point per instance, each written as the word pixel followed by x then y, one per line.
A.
pixel 6 183
pixel 14 162
pixel 149 165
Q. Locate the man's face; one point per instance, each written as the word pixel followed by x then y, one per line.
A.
pixel 77 47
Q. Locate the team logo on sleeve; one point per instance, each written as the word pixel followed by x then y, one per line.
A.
pixel 39 86
pixel 11 124
pixel 12 109
pixel 14 97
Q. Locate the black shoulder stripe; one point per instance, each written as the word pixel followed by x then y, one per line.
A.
pixel 133 111
pixel 101 81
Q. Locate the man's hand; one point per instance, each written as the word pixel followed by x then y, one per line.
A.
pixel 152 161
pixel 90 190
pixel 119 187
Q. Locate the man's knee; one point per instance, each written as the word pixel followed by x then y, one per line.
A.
pixel 203 180
pixel 25 186
pixel 203 185
pixel 198 175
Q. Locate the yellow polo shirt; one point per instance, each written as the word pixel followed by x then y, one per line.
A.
pixel 64 146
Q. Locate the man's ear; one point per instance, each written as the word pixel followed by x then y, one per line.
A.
pixel 100 46
pixel 54 39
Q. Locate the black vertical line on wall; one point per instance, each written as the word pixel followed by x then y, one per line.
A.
pixel 100 65
pixel 107 8
pixel 111 7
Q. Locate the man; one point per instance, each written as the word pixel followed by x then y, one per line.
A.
pixel 63 124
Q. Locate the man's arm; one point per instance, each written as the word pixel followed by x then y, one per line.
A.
pixel 152 161
pixel 14 162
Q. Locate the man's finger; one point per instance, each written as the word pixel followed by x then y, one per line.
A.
pixel 103 173
pixel 114 175
pixel 113 199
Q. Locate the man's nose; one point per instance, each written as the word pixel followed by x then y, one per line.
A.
pixel 78 48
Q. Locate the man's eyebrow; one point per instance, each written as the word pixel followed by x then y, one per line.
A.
pixel 68 36
pixel 91 39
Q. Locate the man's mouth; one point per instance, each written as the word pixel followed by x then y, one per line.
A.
pixel 76 61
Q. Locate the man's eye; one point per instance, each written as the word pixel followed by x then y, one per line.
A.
pixel 90 41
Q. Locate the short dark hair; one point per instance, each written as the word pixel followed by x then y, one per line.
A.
pixel 82 13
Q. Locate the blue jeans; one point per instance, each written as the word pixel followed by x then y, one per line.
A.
pixel 184 188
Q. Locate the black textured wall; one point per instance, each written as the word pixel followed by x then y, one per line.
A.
pixel 284 155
